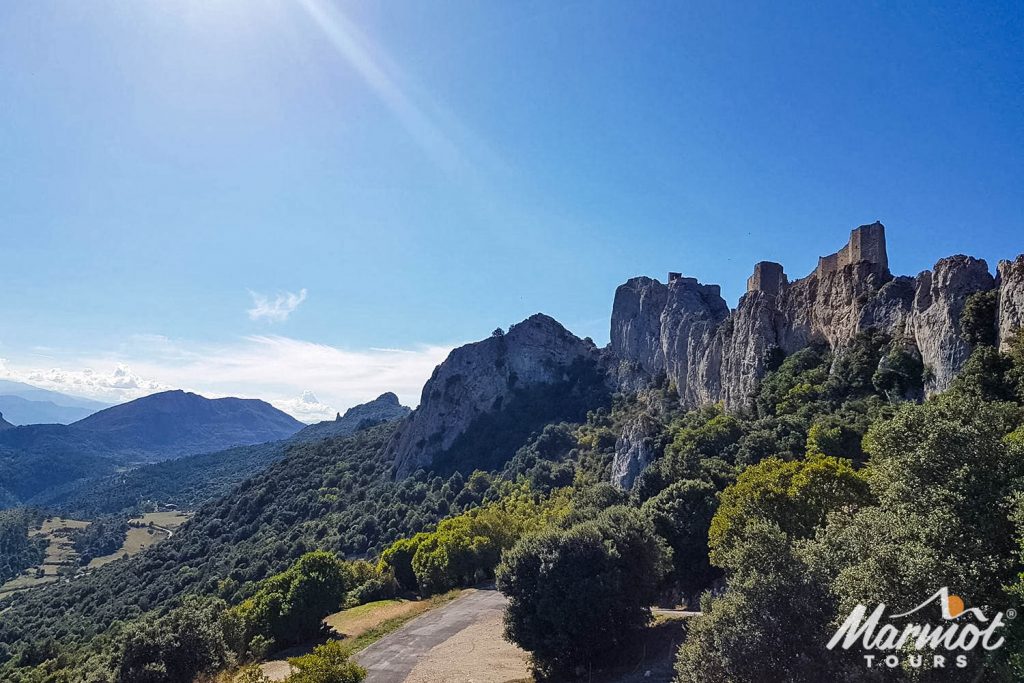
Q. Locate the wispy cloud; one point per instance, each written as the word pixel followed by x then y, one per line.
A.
pixel 276 310
pixel 308 380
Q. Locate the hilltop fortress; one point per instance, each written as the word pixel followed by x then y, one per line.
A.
pixel 867 244
pixel 684 331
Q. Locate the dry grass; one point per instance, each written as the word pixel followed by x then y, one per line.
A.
pixel 142 533
pixel 168 520
pixel 352 623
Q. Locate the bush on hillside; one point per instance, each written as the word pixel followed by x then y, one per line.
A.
pixel 579 596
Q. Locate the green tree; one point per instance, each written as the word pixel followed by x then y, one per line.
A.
pixel 768 624
pixel 465 549
pixel 397 558
pixel 288 607
pixel 579 596
pixel 796 496
pixel 178 646
pixel 945 475
pixel 681 515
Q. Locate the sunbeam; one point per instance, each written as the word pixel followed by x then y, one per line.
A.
pixel 361 55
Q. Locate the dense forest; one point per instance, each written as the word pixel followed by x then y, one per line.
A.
pixel 186 482
pixel 19 550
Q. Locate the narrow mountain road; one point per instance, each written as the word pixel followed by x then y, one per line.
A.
pixel 392 659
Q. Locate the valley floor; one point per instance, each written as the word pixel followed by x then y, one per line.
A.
pixel 61 558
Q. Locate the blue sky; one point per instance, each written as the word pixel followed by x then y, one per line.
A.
pixel 427 171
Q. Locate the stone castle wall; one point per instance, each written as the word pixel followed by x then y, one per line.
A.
pixel 867 243
pixel 768 277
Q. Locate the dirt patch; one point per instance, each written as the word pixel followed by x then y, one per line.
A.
pixel 476 654
pixel 277 670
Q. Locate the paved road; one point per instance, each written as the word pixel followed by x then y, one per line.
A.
pixel 391 658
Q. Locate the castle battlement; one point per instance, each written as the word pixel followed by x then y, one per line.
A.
pixel 867 243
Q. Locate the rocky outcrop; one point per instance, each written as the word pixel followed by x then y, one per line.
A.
pixel 714 354
pixel 934 321
pixel 4 424
pixel 634 450
pixel 1011 299
pixel 384 408
pixel 479 378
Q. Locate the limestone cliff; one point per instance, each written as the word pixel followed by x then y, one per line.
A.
pixel 634 450
pixel 1011 299
pixel 685 329
pixel 478 379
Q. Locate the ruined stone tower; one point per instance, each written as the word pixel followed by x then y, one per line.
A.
pixel 867 243
pixel 768 277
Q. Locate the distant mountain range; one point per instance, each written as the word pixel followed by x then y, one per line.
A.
pixel 162 426
pixel 24 404
pixel 192 480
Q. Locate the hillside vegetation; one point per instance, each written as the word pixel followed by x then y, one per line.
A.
pixel 832 490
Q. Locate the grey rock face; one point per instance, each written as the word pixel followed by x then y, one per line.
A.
pixel 634 451
pixel 713 354
pixel 477 378
pixel 1011 299
pixel 934 321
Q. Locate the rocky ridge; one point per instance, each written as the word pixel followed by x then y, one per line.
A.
pixel 685 330
pixel 479 378
pixel 384 408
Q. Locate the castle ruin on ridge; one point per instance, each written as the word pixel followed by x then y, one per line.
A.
pixel 867 243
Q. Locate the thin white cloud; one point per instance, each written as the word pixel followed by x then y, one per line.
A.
pixel 276 310
pixel 308 380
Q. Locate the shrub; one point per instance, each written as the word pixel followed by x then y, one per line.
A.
pixel 178 646
pixel 327 663
pixel 579 596
pixel 978 318
pixel 288 607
